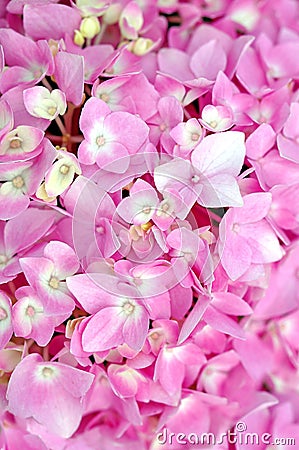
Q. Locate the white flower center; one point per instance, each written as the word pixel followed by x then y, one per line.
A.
pixel 236 228
pixel 105 97
pixel 64 169
pixel 3 260
pixel 30 311
pixel 188 256
pixel 52 110
pixel 100 141
pixel 100 230
pixel 194 137
pixel 54 282
pixel 18 182
pixel 195 179
pixel 146 209
pixel 128 308
pixel 15 142
pixel 47 372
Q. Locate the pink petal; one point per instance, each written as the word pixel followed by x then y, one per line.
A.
pixel 223 323
pixel 69 75
pixel 135 328
pixel 230 304
pixel 12 203
pixel 169 371
pixel 220 153
pixel 256 207
pixel 167 60
pixel 93 110
pixel 193 318
pixel 64 258
pixel 127 129
pixel 6 328
pixel 60 411
pixel 104 330
pixel 208 60
pixel 89 294
pixel 50 21
pixel 114 157
pixel 255 356
pixel 27 228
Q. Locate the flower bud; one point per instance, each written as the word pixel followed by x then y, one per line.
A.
pixel 90 27
pixel 78 38
pixel 41 193
pixel 142 46
pixel 112 14
pixel 131 20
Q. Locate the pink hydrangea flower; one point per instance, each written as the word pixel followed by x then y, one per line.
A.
pixel 61 388
pixel 110 136
pixel 40 102
pixel 46 274
pixel 245 231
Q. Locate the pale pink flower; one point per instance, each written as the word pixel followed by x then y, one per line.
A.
pixel 30 318
pixel 46 274
pixel 60 387
pixel 217 118
pixel 110 136
pixel 211 178
pixel 40 102
pixel 246 236
pixel 187 135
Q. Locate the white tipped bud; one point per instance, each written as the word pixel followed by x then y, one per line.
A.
pixel 41 193
pixel 142 46
pixel 78 38
pixel 90 27
pixel 112 14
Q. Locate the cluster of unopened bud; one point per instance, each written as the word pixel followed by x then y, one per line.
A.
pixel 89 28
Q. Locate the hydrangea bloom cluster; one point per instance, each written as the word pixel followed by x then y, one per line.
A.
pixel 149 223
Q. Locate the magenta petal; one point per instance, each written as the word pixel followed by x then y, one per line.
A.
pixel 135 329
pixel 256 356
pixel 37 270
pixel 5 319
pixel 93 110
pixel 208 60
pixel 288 148
pixel 60 411
pixel 64 258
pixel 69 75
pixel 104 330
pixel 230 304
pixel 169 371
pixel 223 323
pixel 193 318
pixel 50 21
pixel 113 157
pixel 27 228
pixel 167 60
pixel 89 294
pixel 12 204
pixel 127 129
pixel 15 76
